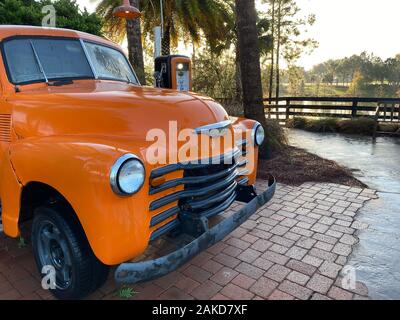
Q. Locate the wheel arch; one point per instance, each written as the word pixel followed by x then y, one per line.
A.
pixel 35 194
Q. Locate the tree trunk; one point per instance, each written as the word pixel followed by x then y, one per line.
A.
pixel 166 41
pixel 135 48
pixel 278 53
pixel 238 76
pixel 248 43
pixel 271 76
pixel 194 56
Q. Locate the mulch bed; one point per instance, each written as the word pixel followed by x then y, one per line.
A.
pixel 295 166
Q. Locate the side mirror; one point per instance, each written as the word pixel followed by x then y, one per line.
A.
pixel 173 72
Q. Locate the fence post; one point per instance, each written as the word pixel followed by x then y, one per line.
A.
pixel 269 102
pixel 376 124
pixel 354 109
pixel 287 110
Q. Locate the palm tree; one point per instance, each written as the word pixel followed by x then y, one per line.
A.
pixel 117 28
pixel 135 47
pixel 231 39
pixel 249 48
pixel 183 19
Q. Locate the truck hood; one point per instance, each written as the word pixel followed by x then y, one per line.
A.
pixel 108 109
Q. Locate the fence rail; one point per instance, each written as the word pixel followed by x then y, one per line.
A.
pixel 380 109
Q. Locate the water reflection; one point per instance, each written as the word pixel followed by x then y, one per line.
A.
pixel 377 164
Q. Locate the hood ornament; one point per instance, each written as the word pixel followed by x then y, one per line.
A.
pixel 215 130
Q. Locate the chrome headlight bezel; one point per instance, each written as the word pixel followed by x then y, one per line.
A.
pixel 254 134
pixel 115 172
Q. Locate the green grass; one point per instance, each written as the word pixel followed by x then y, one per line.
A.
pixel 125 292
pixel 21 242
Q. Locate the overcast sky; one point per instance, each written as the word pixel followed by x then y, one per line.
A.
pixel 345 27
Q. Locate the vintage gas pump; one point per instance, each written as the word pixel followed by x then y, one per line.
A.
pixel 173 72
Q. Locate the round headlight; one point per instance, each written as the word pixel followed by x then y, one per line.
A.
pixel 258 134
pixel 127 175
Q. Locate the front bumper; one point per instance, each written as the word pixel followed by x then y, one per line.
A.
pixel 130 273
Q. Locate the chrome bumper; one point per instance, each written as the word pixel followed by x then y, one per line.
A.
pixel 130 273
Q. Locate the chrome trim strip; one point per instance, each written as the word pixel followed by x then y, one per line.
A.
pixel 164 229
pixel 221 196
pixel 198 164
pixel 193 193
pixel 192 180
pixel 244 173
pixel 222 207
pixel 164 216
pixel 115 170
pixel 243 181
pixel 241 143
pixel 243 163
pixel 215 126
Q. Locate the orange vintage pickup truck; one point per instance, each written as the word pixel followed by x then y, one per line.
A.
pixel 83 159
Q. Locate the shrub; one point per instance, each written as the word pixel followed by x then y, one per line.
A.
pixel 296 123
pixel 322 125
pixel 276 139
pixel 314 125
pixel 234 108
pixel 389 127
pixel 363 126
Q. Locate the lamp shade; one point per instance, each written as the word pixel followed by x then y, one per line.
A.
pixel 127 11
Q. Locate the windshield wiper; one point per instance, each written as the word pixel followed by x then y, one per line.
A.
pixel 129 80
pixel 38 62
pixel 60 83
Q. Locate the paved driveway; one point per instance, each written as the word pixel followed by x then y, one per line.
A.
pixel 294 248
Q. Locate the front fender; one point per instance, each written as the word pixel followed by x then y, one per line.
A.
pixel 117 227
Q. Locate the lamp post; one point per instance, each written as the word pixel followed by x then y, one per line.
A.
pixel 159 33
pixel 162 17
pixel 131 14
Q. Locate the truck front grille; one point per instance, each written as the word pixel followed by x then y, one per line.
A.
pixel 208 189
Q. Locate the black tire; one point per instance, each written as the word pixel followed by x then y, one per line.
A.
pixel 59 241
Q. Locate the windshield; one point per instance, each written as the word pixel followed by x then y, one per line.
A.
pixel 109 63
pixel 47 59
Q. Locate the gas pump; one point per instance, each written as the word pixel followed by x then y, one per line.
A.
pixel 173 72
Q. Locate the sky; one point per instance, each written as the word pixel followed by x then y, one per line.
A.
pixel 344 27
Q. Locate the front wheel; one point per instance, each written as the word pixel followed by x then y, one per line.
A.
pixel 60 245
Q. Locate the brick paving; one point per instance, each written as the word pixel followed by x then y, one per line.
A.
pixel 293 248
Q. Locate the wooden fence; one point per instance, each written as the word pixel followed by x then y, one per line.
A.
pixel 380 109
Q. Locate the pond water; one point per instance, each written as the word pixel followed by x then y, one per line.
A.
pixel 377 256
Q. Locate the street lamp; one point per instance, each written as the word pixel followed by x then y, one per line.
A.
pixel 127 11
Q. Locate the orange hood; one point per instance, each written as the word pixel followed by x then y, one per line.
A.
pixel 107 109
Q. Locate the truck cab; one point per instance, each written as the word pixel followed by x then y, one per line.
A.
pixel 101 166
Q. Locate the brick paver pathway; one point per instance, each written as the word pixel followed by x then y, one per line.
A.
pixel 294 248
